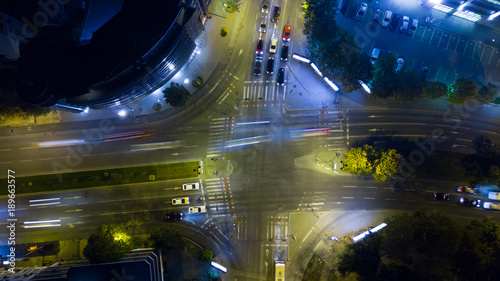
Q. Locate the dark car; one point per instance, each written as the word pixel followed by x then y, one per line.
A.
pixel 281 77
pixel 395 21
pixel 284 52
pixel 258 65
pixel 466 202
pixel 276 14
pixel 173 216
pixel 424 72
pixel 270 65
pixel 260 46
pixel 441 196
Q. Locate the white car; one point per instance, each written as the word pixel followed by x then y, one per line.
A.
pixel 272 48
pixel 198 209
pixel 491 205
pixel 180 201
pixel 400 63
pixel 404 25
pixel 360 15
pixel 413 26
pixel 191 186
pixel 263 24
pixel 374 55
pixel 387 18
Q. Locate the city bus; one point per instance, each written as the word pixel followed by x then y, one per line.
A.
pixel 279 271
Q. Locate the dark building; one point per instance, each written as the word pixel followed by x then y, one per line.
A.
pixel 95 58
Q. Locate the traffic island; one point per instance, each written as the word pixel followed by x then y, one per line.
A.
pixel 217 167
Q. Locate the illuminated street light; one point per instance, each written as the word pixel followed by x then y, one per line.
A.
pixel 297 57
pixel 334 87
pixel 171 67
pixel 365 87
pixel 186 81
pixel 436 1
pixel 122 113
pixel 316 69
pixel 86 110
pixel 493 16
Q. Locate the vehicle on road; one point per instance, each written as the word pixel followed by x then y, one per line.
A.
pixel 260 46
pixel 279 271
pixel 404 24
pixel 491 206
pixel 399 64
pixel 258 66
pixel 467 202
pixel 374 55
pixel 466 189
pixel 173 216
pixel 413 27
pixel 272 47
pixel 377 18
pixel 263 24
pixel 265 7
pixel 281 77
pixel 494 195
pixel 287 30
pixel 190 186
pixel 424 72
pixel 360 14
pixel 270 65
pixel 276 14
pixel 386 19
pixel 198 209
pixel 180 201
pixel 441 196
pixel 284 52
pixel 395 22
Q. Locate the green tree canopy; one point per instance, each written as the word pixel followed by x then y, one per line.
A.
pixel 385 81
pixel 462 91
pixel 386 167
pixel 359 160
pixel 409 86
pixel 109 244
pixel 487 93
pixel 167 238
pixel 434 90
pixel 176 95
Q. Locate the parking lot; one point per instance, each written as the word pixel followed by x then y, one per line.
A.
pixel 448 55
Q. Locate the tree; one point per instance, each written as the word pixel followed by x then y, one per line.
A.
pixel 109 244
pixel 385 82
pixel 487 93
pixel 176 95
pixel 167 238
pixel 206 255
pixel 358 160
pixel 409 86
pixel 462 91
pixel 434 90
pixel 357 67
pixel 387 165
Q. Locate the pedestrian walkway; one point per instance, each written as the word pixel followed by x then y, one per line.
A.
pixel 262 93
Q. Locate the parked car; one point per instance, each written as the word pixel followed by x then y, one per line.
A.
pixel 173 216
pixel 399 64
pixel 386 19
pixel 281 77
pixel 360 14
pixel 441 196
pixel 287 30
pixel 276 14
pixel 491 206
pixel 404 24
pixel 180 201
pixel 270 65
pixel 265 6
pixel 263 24
pixel 198 209
pixel 284 52
pixel 272 47
pixel 466 189
pixel 413 27
pixel 258 66
pixel 395 21
pixel 374 55
pixel 260 46
pixel 466 202
pixel 424 72
pixel 190 186
pixel 377 18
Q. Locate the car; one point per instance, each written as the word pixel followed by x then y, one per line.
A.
pixel 387 19
pixel 190 186
pixel 374 55
pixel 260 46
pixel 265 7
pixel 413 27
pixel 441 196
pixel 424 71
pixel 399 64
pixel 360 14
pixel 198 209
pixel 491 205
pixel 466 202
pixel 263 24
pixel 287 30
pixel 180 201
pixel 173 216
pixel 466 189
pixel 270 65
pixel 395 22
pixel 404 24
pixel 284 52
pixel 377 18
pixel 258 66
pixel 276 14
pixel 272 47
pixel 281 77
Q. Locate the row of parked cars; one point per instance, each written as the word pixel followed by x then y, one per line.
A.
pixel 177 216
pixel 389 19
pixel 467 202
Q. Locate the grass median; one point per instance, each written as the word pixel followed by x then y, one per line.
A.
pixel 104 177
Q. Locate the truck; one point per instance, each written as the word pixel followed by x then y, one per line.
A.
pixel 494 195
pixel 279 271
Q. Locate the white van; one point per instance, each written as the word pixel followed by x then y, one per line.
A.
pixel 374 55
pixel 190 186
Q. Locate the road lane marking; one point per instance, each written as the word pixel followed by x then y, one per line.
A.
pixel 347 197
pixel 6 149
pixel 350 186
pixel 464 140
pixel 369 198
pixel 371 187
pixel 390 199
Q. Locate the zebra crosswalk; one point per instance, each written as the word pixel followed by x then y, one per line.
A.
pixel 218 197
pixel 276 228
pixel 256 93
pixel 220 131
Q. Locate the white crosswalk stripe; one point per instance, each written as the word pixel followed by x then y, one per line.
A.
pixel 262 94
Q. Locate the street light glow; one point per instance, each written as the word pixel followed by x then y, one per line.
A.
pixel 122 113
pixel 334 87
pixel 297 57
pixel 186 81
pixel 493 16
pixel 316 69
pixel 365 87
